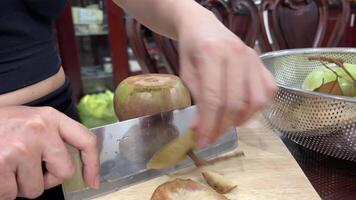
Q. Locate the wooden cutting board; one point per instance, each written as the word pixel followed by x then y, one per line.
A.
pixel 267 171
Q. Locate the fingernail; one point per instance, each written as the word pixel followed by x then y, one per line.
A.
pixel 97 182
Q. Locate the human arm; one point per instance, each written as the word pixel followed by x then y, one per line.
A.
pixel 30 136
pixel 167 17
pixel 226 78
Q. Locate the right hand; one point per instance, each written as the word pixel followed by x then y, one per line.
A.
pixel 227 79
pixel 29 136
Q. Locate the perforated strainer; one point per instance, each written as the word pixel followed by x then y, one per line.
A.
pixel 321 122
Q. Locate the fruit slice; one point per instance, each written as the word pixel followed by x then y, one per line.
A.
pixel 188 189
pixel 347 87
pixel 317 78
pixel 173 152
pixel 337 77
pixel 351 68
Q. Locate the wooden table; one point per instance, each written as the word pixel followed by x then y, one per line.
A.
pixel 267 171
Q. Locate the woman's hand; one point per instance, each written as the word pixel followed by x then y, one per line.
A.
pixel 29 136
pixel 226 78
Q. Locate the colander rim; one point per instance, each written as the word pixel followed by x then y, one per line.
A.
pixel 287 52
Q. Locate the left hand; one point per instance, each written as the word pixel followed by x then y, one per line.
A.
pixel 226 78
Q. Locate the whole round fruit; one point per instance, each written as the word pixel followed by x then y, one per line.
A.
pixel 149 94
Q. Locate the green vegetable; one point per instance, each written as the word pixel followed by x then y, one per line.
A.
pixel 97 109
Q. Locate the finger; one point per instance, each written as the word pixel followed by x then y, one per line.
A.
pixel 8 187
pixel 190 77
pixel 225 115
pixel 269 82
pixel 256 93
pixel 50 180
pixel 58 161
pixel 30 177
pixel 237 93
pixel 81 138
pixel 210 106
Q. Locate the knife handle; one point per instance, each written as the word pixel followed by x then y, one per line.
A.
pixel 77 182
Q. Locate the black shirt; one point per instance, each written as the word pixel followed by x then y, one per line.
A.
pixel 27 51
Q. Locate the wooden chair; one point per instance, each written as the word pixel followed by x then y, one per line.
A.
pixel 234 14
pixel 139 44
pixel 301 23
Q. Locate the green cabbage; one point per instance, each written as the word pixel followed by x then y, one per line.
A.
pixel 97 109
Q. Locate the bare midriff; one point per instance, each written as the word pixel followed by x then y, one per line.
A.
pixel 33 92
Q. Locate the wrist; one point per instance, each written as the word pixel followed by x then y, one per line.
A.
pixel 194 17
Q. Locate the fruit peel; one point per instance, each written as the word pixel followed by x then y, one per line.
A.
pixel 218 182
pixel 185 189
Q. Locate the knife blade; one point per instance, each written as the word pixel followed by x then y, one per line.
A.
pixel 126 147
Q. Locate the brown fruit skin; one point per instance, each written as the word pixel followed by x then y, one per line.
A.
pixel 149 94
pixel 331 88
pixel 164 191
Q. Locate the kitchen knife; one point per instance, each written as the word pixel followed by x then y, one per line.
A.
pixel 126 147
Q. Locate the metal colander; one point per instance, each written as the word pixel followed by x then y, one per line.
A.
pixel 321 122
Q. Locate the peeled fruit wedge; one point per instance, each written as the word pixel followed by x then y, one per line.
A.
pixel 351 68
pixel 218 182
pixel 317 78
pixel 347 88
pixel 173 152
pixel 185 189
pixel 326 81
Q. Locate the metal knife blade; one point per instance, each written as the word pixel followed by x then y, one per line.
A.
pixel 126 147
